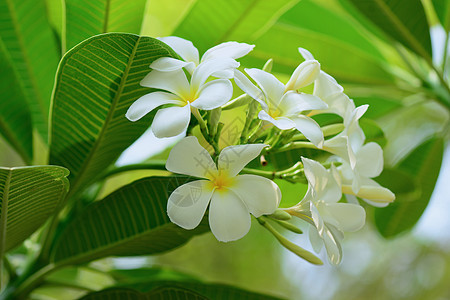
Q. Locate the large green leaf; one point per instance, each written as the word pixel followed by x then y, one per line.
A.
pixel 130 221
pixel 86 18
pixel 210 291
pixel 423 166
pixel 442 8
pixel 15 118
pixel 404 21
pixel 211 22
pixel 161 293
pixel 32 48
pixel 96 83
pixel 28 195
pixel 306 14
pixel 344 61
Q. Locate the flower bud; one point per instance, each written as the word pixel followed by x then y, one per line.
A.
pixel 304 75
pixel 281 215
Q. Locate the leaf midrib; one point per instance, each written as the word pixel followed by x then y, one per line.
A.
pixel 236 23
pixel 106 17
pixel 110 246
pixel 41 105
pixel 4 214
pixel 107 121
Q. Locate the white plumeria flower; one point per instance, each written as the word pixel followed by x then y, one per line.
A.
pixel 357 180
pixel 183 95
pixel 351 139
pixel 189 53
pixel 328 217
pixel 305 74
pixel 282 109
pixel 232 196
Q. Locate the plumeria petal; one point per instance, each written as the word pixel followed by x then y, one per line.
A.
pixel 348 217
pixel 369 160
pixel 149 102
pixel 183 47
pixel 190 158
pixel 339 146
pixel 325 86
pixel 207 68
pixel 310 129
pixel 168 64
pixel 187 204
pixel 332 238
pixel 338 103
pixel 315 239
pixel 305 53
pixel 281 123
pixel 229 218
pixel 171 121
pixel 315 173
pixel 270 85
pixel 233 50
pixel 305 74
pixel 214 94
pixel 175 82
pixel 370 190
pixel 249 88
pixel 293 103
pixel 225 74
pixel 264 197
pixel 233 159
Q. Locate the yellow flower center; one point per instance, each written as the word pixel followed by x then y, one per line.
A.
pixel 221 181
pixel 274 112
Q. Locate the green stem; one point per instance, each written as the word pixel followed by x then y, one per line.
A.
pixel 296 145
pixel 444 101
pixel 204 131
pixel 444 58
pixel 25 283
pixel 273 174
pixel 299 251
pixel 9 268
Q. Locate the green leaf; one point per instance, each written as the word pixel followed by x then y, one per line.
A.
pixel 404 21
pixel 419 169
pixel 28 195
pixel 130 221
pixel 211 22
pixel 344 61
pixel 15 117
pixel 210 291
pixel 96 83
pixel 442 9
pixel 161 293
pixel 32 49
pixel 319 17
pixel 86 18
pixel 163 17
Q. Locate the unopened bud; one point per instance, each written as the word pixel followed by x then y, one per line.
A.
pixel 304 75
pixel 290 226
pixel 281 215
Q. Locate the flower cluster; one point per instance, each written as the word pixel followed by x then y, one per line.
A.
pixel 280 117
